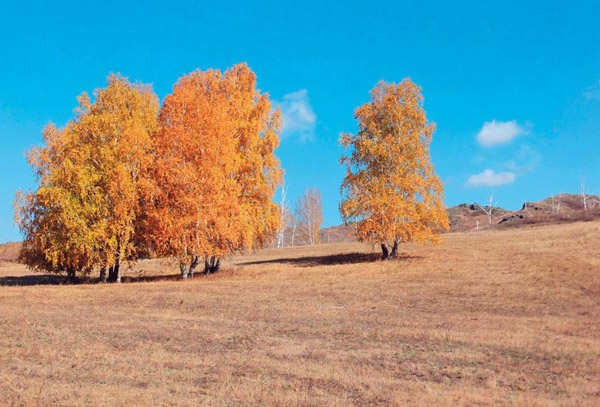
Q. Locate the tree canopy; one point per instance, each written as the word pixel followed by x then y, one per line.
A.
pixel 390 188
pixel 92 178
pixel 215 172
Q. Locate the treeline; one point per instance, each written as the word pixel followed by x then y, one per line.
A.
pixel 127 178
pixel 195 179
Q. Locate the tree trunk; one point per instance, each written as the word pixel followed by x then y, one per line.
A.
pixel 114 272
pixel 211 264
pixel 388 254
pixel 118 272
pixel 385 252
pixel 193 265
pixel 394 249
pixel 103 274
pixel 70 275
pixel 183 270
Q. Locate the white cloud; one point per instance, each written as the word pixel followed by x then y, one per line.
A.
pixel 490 178
pixel 297 115
pixel 494 133
pixel 592 92
pixel 526 160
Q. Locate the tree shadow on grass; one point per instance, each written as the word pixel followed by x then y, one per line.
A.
pixel 148 279
pixel 309 261
pixel 329 260
pixel 33 279
pixel 60 279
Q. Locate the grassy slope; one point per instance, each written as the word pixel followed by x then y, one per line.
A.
pixel 493 318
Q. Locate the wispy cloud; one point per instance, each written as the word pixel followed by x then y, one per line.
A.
pixel 298 116
pixel 490 178
pixel 526 160
pixel 496 132
pixel 592 92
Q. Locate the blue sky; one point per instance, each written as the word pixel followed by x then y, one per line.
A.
pixel 514 87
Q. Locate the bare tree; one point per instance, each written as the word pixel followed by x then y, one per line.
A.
pixel 593 201
pixel 309 210
pixel 489 208
pixel 294 227
pixel 585 196
pixel 285 215
pixel 556 199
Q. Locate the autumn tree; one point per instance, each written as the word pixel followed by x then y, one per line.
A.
pixel 309 211
pixel 60 231
pixel 390 189
pixel 93 176
pixel 119 126
pixel 215 172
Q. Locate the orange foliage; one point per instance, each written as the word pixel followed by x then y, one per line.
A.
pixel 215 169
pixel 391 189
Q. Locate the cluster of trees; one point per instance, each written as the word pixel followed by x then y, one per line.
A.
pixel 193 179
pixel 304 224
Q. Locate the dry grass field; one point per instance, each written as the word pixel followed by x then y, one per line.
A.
pixel 496 318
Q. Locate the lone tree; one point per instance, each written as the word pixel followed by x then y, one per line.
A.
pixel 391 190
pixel 491 207
pixel 585 194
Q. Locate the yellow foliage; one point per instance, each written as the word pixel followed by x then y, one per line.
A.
pixel 92 178
pixel 391 189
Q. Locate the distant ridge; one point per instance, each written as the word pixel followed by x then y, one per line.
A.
pixel 560 208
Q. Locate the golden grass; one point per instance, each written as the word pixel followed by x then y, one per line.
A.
pixel 498 318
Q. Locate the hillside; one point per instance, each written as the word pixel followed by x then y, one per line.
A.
pixel 9 252
pixel 561 208
pixel 505 317
pixel 467 217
